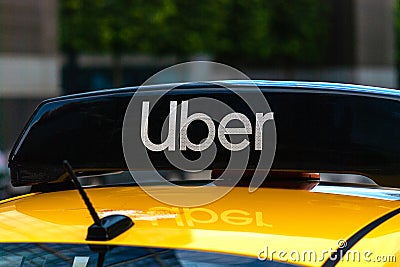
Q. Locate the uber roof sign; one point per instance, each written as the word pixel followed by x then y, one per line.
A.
pixel 319 128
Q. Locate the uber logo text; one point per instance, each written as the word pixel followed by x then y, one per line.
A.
pixel 186 120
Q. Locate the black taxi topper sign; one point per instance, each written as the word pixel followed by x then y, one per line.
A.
pixel 319 128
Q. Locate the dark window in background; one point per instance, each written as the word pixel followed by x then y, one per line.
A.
pixel 77 79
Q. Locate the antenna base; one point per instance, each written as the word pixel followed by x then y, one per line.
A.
pixel 111 226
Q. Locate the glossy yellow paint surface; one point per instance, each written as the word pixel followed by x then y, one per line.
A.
pixel 255 224
pixel 378 248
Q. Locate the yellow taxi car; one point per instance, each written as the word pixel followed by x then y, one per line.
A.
pixel 324 194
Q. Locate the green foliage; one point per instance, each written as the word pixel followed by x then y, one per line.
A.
pixel 274 31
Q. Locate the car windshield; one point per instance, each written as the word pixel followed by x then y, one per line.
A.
pixel 53 254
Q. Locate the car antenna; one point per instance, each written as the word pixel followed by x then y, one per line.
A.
pixel 105 228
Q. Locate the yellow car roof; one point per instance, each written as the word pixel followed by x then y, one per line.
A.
pixel 252 224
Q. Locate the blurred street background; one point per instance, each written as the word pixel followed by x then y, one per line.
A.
pixel 54 47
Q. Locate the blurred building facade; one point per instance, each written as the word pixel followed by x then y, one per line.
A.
pixel 362 48
pixel 31 67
